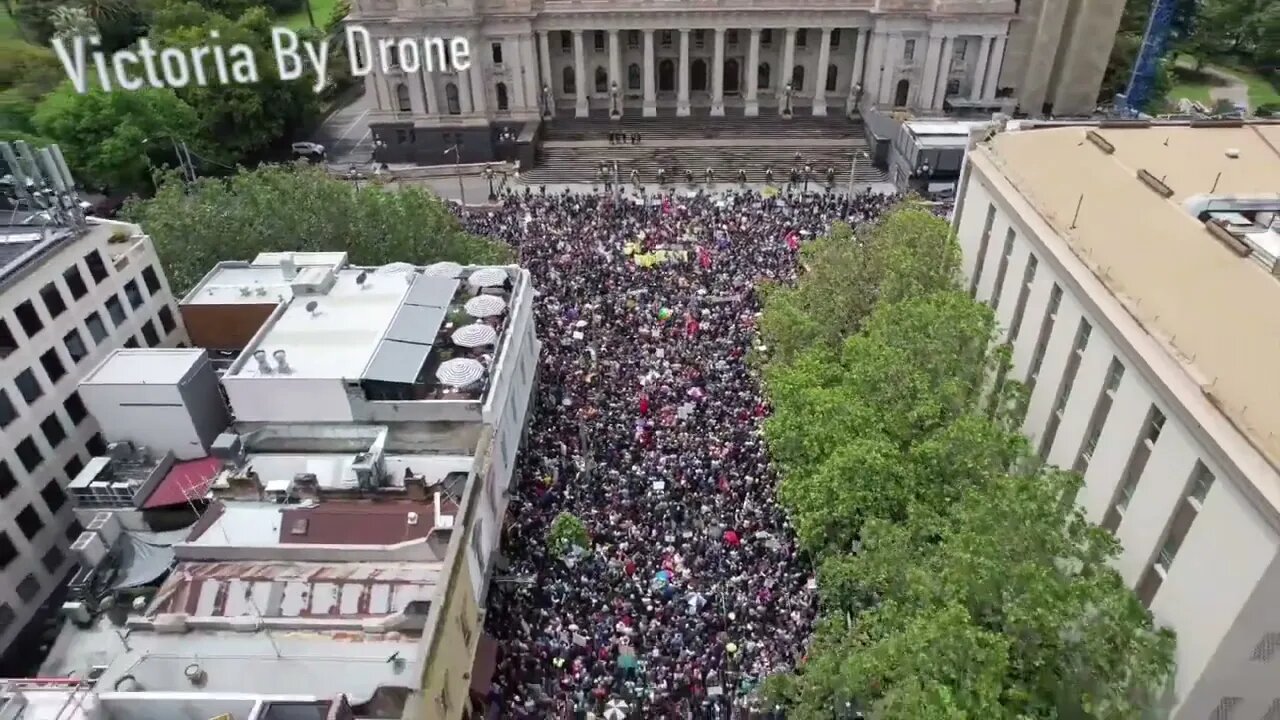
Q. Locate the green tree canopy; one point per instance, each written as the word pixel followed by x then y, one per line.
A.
pixel 957 579
pixel 299 208
pixel 27 73
pixel 567 532
pixel 107 136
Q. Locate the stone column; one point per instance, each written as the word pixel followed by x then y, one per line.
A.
pixel 788 67
pixel 717 75
pixel 579 76
pixel 464 90
pixel 650 93
pixel 994 68
pixel 980 70
pixel 824 59
pixel 855 79
pixel 513 63
pixel 615 71
pixel 944 71
pixel 892 56
pixel 874 67
pixel 478 90
pixel 932 65
pixel 428 81
pixel 753 75
pixel 417 99
pixel 544 64
pixel 682 97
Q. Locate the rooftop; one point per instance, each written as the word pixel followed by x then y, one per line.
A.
pixel 260 281
pixel 139 366
pixel 1211 308
pixel 247 524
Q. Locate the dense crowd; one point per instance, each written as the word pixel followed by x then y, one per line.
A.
pixel 648 429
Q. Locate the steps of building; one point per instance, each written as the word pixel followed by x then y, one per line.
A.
pixel 703 128
pixel 582 164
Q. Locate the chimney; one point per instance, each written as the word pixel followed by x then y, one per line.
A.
pixel 281 364
pixel 264 367
pixel 288 267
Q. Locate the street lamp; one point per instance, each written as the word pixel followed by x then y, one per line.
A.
pixel 378 147
pixel 457 165
pixel 786 101
pixel 354 175
pixel 614 111
pixel 548 102
pixel 488 175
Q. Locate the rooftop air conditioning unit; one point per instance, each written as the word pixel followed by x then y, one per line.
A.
pixel 313 281
pixel 90 549
pixel 106 525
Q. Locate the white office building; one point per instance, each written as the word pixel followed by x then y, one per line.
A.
pixel 1133 269
pixel 67 299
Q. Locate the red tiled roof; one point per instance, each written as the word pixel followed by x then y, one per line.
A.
pixel 358 523
pixel 189 477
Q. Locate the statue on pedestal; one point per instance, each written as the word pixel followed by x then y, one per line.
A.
pixel 786 101
pixel 548 102
pixel 614 111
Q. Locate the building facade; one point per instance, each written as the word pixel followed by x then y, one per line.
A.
pixel 68 297
pixel 1125 295
pixel 539 60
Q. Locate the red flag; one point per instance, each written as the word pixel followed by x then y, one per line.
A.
pixel 704 258
pixel 793 241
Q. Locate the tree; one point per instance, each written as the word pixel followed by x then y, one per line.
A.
pixel 567 532
pixel 27 73
pixel 72 22
pixel 107 136
pixel 299 208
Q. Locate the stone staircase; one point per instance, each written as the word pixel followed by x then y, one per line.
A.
pixel 574 149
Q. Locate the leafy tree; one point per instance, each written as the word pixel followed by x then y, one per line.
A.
pixel 107 136
pixel 303 209
pixel 567 532
pixel 33 18
pixel 72 22
pixel 27 73
pixel 239 122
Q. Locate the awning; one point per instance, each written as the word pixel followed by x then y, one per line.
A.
pixel 185 481
pixel 483 666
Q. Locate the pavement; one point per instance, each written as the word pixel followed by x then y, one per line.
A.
pixel 1232 89
pixel 345 134
pixel 475 190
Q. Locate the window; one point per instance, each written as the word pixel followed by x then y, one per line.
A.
pixel 75 346
pixel 633 76
pixel 53 365
pixel 7 412
pixel 909 51
pixel 97 329
pixel 566 41
pixel 54 496
pixel 1028 277
pixel 132 342
pixel 633 39
pixel 75 408
pixel 699 38
pixel 1002 268
pixel 149 334
pixel 1042 341
pixel 116 310
pixel 597 40
pixel 134 295
pixel 833 74
pixel 28 318
pixel 73 467
pixel 53 431
pixel 29 522
pixel 602 80
pixel 766 37
pixel 75 283
pixel 500 90
pixel 96 446
pixel 52 560
pixel 567 81
pixel 1184 515
pixel 402 104
pixel 451 99
pixel 166 319
pixel 28 386
pixel 731 37
pixel 6 617
pixel 1064 389
pixel 1133 469
pixel 797 78
pixel 762 75
pixel 7 342
pixel 802 37
pixel 495 51
pixel 7 481
pixel 29 588
pixel 666 38
pixel 97 267
pixel 835 38
pixel 73 530
pixel 7 550
pixel 982 250
pixel 1098 419
pixel 53 301
pixel 1201 480
pixel 958 53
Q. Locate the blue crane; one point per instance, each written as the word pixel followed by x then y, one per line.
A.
pixel 1159 25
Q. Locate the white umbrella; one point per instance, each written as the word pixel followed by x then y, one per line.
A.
pixel 487 277
pixel 485 305
pixel 459 372
pixel 442 269
pixel 474 335
pixel 616 710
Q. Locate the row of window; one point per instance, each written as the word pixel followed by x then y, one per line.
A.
pixel 666 38
pixel 1196 488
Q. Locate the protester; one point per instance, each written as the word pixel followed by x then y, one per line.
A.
pixel 648 429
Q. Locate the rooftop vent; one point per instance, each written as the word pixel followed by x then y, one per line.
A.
pixel 1155 184
pixel 264 367
pixel 1102 143
pixel 281 363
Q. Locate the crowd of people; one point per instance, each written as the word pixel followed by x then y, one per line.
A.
pixel 647 428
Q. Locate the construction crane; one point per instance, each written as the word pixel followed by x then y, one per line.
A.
pixel 1159 25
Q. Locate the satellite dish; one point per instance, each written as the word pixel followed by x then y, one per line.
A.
pixel 362 277
pixel 311 307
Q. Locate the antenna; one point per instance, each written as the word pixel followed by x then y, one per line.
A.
pixel 1215 183
pixel 1076 217
pixel 63 167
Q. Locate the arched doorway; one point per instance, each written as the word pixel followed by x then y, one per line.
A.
pixel 567 82
pixel 451 97
pixel 698 76
pixel 402 98
pixel 666 76
pixel 602 80
pixel 900 95
pixel 797 78
pixel 762 77
pixel 633 77
pixel 501 91
pixel 833 75
pixel 731 77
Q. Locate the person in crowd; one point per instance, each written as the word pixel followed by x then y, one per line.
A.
pixel 647 427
